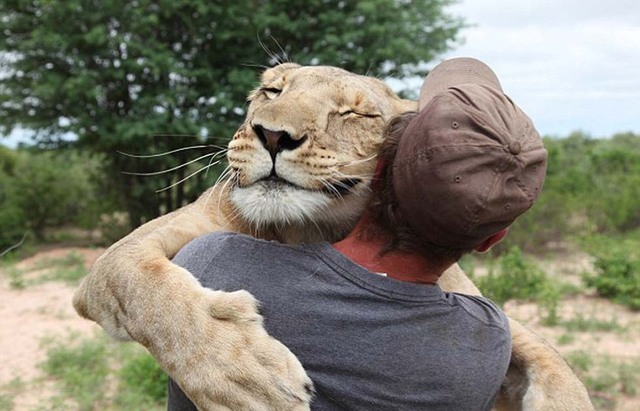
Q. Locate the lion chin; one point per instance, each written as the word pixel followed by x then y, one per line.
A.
pixel 274 203
pixel 266 203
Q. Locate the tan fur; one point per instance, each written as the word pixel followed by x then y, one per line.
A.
pixel 213 343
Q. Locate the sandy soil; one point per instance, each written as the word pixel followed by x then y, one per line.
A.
pixel 41 310
pixel 32 314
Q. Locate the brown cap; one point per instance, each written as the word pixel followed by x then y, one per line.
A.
pixel 470 162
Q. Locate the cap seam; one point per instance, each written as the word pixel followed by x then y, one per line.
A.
pixel 426 153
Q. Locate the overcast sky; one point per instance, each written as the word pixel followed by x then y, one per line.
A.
pixel 570 64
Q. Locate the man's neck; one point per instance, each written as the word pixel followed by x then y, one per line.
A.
pixel 365 250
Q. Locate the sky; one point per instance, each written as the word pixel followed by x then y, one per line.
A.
pixel 571 65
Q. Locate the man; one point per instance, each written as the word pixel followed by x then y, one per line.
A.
pixel 364 315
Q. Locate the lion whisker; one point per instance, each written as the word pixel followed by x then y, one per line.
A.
pixel 331 187
pixel 170 152
pixel 222 176
pixel 187 177
pixel 228 180
pixel 211 161
pixel 355 162
pixel 155 173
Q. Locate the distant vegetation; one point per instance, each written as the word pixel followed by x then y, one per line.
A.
pixel 592 188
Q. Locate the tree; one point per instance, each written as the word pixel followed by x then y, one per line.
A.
pixel 116 72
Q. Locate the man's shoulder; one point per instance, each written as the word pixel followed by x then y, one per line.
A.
pixel 207 247
pixel 481 309
pixel 215 238
pixel 213 242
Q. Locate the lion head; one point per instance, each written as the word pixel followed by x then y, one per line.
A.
pixel 303 159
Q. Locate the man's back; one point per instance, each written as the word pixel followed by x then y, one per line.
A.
pixel 368 342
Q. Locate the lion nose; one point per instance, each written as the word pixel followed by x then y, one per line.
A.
pixel 272 139
pixel 276 141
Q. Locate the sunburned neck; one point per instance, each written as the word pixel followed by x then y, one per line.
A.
pixel 399 265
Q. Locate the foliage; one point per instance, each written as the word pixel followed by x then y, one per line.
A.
pixel 592 186
pixel 12 217
pixel 86 369
pixel 114 73
pixel 47 189
pixel 617 264
pixel 512 276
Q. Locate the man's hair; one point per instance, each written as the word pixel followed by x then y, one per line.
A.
pixel 384 207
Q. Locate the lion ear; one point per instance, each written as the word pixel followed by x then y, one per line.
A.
pixel 269 74
pixel 403 106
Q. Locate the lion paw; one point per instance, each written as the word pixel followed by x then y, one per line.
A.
pixel 234 364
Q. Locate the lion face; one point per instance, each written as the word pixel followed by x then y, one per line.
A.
pixel 306 153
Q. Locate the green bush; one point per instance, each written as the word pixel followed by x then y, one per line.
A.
pixel 43 189
pixel 618 278
pixel 617 268
pixel 512 276
pixel 13 222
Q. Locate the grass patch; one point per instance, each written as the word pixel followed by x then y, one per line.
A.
pixel 80 367
pixel 606 378
pixel 581 323
pixel 69 268
pixel 566 338
pixel 97 373
pixel 141 381
pixel 8 393
pixel 16 278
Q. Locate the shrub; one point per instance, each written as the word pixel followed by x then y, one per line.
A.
pixel 618 278
pixel 617 269
pixel 512 277
pixel 515 277
pixel 43 189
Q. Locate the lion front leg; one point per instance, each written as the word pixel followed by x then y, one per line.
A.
pixel 539 379
pixel 214 346
pixel 212 343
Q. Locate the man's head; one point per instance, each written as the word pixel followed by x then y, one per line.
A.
pixel 467 165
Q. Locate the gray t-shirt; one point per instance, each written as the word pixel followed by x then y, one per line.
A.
pixel 368 342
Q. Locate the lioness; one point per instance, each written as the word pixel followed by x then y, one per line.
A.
pixel 301 165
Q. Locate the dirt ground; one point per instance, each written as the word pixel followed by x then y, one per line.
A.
pixel 38 311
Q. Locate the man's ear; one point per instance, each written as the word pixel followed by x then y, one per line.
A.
pixel 491 241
